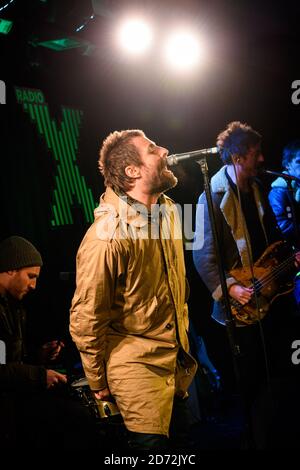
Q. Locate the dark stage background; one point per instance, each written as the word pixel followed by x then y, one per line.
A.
pixel 254 59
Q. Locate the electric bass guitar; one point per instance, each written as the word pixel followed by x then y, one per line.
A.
pixel 274 274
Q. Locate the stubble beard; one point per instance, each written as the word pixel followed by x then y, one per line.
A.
pixel 163 183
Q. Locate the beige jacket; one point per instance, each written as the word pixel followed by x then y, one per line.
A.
pixel 129 316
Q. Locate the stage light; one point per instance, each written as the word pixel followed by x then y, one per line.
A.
pixel 135 36
pixel 182 50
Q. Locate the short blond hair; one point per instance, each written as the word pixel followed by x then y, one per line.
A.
pixel 116 153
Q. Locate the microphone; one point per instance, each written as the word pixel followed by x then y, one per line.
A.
pixel 283 175
pixel 179 157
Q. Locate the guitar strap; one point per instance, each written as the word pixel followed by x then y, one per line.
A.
pixel 233 215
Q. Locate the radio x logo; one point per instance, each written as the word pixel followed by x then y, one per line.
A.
pixel 62 141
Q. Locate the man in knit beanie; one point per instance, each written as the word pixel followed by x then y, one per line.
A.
pixel 16 253
pixel 34 410
pixel 20 264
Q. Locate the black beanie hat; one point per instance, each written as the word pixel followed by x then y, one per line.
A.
pixel 17 253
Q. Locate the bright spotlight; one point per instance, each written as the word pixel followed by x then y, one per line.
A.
pixel 135 36
pixel 183 50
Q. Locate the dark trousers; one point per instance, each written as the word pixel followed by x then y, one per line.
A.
pixel 178 436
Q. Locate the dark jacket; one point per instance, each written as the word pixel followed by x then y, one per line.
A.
pixel 16 376
pixel 231 235
pixel 283 201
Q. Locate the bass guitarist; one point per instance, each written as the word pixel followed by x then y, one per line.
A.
pixel 246 229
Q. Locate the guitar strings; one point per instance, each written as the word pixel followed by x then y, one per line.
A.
pixel 284 265
pixel 264 280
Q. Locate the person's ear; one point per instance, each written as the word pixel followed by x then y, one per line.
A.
pixel 132 171
pixel 236 159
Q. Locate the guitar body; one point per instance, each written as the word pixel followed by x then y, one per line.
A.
pixel 273 276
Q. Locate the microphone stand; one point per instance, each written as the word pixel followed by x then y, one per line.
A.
pixel 229 322
pixel 285 176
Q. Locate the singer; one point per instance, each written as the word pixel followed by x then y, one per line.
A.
pixel 129 311
pixel 284 198
pixel 240 149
